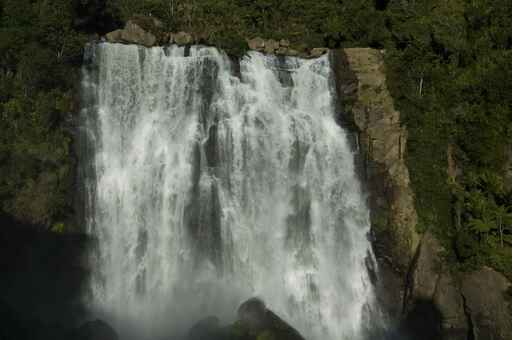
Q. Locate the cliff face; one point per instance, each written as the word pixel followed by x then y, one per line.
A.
pixel 416 287
pixel 367 108
pixel 382 142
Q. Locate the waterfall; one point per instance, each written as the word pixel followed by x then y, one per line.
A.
pixel 209 181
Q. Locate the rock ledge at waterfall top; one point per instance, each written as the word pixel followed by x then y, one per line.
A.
pixel 149 32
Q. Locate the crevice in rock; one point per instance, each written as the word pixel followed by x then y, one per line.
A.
pixel 409 279
pixel 469 319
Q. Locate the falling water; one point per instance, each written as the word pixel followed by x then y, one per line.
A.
pixel 210 181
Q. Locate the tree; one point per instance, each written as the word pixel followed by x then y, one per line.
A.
pixel 482 225
pixel 503 217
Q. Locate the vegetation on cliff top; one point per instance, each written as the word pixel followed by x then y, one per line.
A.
pixel 449 67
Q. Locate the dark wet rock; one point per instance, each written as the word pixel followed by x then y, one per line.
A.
pixel 423 322
pixel 94 330
pixel 252 314
pixel 255 322
pixel 263 323
pixel 206 329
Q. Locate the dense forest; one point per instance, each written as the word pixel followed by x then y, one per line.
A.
pixel 449 65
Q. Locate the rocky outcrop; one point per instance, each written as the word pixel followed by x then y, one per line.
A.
pixel 140 30
pixel 382 140
pixel 431 281
pixel 470 305
pixel 365 107
pixel 284 47
pixel 255 322
pixel 149 31
pixel 488 307
pixel 182 38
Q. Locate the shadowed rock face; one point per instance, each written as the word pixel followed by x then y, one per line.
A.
pixel 42 275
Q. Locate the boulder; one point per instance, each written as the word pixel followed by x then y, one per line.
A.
pixel 432 282
pixel 291 52
pixel 271 46
pixel 134 34
pixel 262 323
pixel 183 38
pixel 141 30
pixel 157 23
pixel 284 43
pixel 282 51
pixel 252 314
pixel 318 51
pixel 114 36
pixel 257 44
pixel 486 304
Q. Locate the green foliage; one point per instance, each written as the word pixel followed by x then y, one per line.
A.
pixel 315 23
pixel 37 76
pixel 448 63
pixel 58 228
pixel 448 68
pixel 266 335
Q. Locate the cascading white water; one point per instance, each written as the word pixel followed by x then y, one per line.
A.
pixel 207 185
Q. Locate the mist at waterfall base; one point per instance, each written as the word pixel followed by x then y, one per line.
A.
pixel 208 181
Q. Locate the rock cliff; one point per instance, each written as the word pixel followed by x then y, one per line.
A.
pixel 417 288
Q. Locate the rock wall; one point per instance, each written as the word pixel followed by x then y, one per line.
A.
pixel 417 288
pixel 366 107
